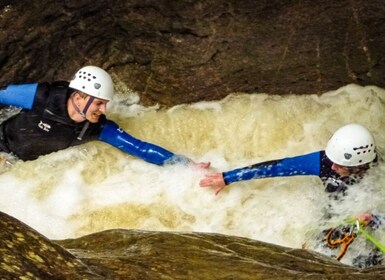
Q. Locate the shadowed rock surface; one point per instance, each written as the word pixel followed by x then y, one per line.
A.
pixel 26 254
pixel 174 52
pixel 130 254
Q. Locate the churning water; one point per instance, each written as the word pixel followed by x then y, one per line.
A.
pixel 95 187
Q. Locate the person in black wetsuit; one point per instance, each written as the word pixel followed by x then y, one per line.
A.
pixel 349 153
pixel 61 114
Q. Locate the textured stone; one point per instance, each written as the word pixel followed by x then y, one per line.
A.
pixel 130 254
pixel 175 52
pixel 26 254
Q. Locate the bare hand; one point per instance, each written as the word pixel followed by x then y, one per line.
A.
pixel 364 218
pixel 213 180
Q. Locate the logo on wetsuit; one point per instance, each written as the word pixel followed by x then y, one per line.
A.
pixel 44 126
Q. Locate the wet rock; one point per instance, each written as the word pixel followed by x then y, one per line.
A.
pixel 26 254
pixel 131 254
pixel 175 52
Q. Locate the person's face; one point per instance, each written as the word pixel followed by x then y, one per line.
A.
pixel 96 109
pixel 341 170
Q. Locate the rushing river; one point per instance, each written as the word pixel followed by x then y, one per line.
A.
pixel 95 187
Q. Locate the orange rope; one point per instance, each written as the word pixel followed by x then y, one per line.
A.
pixel 345 240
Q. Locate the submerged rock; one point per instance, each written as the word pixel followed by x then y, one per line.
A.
pixel 132 254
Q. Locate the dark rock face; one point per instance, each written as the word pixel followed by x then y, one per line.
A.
pixel 129 254
pixel 175 52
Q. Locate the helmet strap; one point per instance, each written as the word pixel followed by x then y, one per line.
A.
pixel 84 111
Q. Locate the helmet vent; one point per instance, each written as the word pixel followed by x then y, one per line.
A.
pixel 84 76
pixel 97 85
pixel 361 147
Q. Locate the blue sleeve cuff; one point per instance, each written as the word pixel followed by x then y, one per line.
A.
pixel 19 95
pixel 115 136
pixel 309 164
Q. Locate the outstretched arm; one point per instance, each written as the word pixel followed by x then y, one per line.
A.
pixel 18 95
pixel 309 164
pixel 114 135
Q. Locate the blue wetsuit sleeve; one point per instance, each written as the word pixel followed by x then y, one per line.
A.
pixel 115 136
pixel 309 164
pixel 19 95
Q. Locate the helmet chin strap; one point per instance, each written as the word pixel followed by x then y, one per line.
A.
pixel 84 111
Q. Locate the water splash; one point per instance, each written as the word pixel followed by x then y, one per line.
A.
pixel 95 187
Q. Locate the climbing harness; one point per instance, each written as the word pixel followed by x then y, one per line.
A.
pixel 336 237
pixel 344 236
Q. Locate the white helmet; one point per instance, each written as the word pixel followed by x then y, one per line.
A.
pixel 93 81
pixel 351 145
